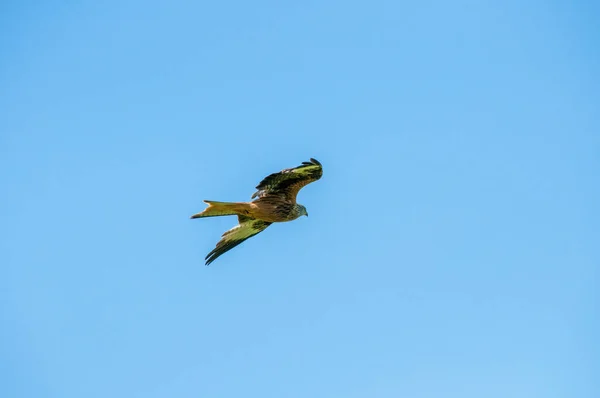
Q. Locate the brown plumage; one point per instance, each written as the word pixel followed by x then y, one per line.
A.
pixel 275 202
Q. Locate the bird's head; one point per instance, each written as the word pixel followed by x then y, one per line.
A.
pixel 302 210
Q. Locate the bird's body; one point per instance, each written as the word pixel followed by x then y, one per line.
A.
pixel 275 202
pixel 266 209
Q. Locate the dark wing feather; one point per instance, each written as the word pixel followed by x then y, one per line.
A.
pixel 247 228
pixel 289 181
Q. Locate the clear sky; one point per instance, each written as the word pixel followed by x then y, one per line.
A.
pixel 453 243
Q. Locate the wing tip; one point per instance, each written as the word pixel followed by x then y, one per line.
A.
pixel 315 161
pixel 210 257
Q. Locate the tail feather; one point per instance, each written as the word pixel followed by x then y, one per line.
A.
pixel 216 209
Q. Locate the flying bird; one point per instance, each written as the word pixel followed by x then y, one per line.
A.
pixel 274 201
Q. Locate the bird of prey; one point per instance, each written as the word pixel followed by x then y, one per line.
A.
pixel 275 201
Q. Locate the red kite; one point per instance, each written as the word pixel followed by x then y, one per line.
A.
pixel 275 202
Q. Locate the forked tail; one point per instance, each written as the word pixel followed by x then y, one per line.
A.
pixel 216 209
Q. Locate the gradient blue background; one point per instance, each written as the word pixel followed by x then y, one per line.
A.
pixel 452 248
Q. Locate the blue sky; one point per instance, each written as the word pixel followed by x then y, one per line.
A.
pixel 452 244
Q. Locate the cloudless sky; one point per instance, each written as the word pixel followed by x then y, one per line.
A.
pixel 453 243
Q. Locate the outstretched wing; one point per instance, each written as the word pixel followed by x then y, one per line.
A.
pixel 247 228
pixel 289 181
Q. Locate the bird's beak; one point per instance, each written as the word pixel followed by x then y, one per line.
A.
pixel 306 214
